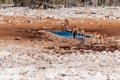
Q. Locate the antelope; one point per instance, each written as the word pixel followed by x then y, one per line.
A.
pixel 65 24
pixel 74 31
pixel 99 38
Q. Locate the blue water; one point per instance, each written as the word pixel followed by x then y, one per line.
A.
pixel 67 34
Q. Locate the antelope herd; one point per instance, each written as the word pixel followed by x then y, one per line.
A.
pixel 96 37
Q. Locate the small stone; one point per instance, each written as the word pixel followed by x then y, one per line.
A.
pixel 9 22
pixel 17 38
pixel 63 75
pixel 31 22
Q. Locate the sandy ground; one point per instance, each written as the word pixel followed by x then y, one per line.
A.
pixel 107 26
pixel 28 52
pixel 40 60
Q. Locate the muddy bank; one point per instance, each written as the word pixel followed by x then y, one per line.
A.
pixel 101 19
pixel 58 43
pixel 106 26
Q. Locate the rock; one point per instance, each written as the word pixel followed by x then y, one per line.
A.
pixel 65 47
pixel 17 38
pixel 50 47
pixel 9 22
pixel 63 75
pixel 30 22
pixel 107 16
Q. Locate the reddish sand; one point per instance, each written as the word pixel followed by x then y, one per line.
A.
pixel 23 29
pixel 110 27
